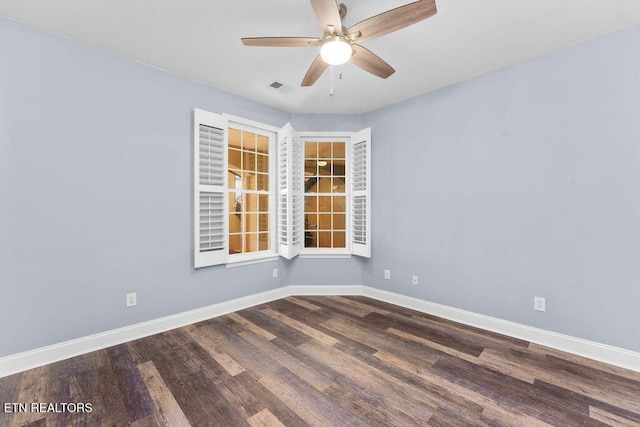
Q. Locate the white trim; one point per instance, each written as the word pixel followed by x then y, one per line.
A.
pixel 266 258
pixel 248 123
pixel 593 350
pixel 31 359
pixel 311 255
pixel 325 290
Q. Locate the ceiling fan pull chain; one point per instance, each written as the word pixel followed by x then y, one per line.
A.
pixel 331 72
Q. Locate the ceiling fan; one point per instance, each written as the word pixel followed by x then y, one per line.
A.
pixel 339 44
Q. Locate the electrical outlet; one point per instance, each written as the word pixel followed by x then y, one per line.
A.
pixel 132 299
pixel 275 272
pixel 539 304
pixel 414 279
pixel 387 274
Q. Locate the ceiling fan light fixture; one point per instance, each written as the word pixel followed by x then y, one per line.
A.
pixel 336 50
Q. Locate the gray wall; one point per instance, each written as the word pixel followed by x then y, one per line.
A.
pixel 96 192
pixel 523 182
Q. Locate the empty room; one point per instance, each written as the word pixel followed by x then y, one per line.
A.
pixel 319 213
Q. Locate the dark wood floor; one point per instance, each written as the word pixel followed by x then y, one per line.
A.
pixel 326 361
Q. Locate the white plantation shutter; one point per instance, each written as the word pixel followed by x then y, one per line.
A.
pixel 210 172
pixel 290 179
pixel 361 193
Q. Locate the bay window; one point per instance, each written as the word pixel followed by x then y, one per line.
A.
pixel 261 191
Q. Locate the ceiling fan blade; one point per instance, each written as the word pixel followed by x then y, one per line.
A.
pixel 281 41
pixel 327 15
pixel 315 71
pixel 369 61
pixel 393 20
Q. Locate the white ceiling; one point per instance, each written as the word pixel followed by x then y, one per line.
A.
pixel 200 40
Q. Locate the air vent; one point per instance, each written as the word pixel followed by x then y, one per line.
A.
pixel 276 85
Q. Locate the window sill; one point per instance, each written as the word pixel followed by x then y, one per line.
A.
pixel 250 261
pixel 312 255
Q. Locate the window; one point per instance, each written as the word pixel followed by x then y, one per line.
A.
pixel 337 194
pixel 320 182
pixel 249 197
pixel 325 200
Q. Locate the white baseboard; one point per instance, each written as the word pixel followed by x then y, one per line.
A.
pixel 31 359
pixel 604 353
pixel 325 290
pixel 42 356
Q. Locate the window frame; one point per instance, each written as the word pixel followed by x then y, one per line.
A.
pixel 243 124
pixel 345 137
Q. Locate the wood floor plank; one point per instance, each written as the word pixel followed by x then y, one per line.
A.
pixel 514 393
pixel 274 326
pixel 207 341
pixel 590 363
pixel 459 344
pixel 355 303
pixel 167 408
pixel 611 418
pixel 296 394
pixel 303 303
pixel 304 328
pixel 264 418
pixel 316 379
pixel 251 326
pixel 328 360
pixel 606 387
pixel 135 393
pixel 416 405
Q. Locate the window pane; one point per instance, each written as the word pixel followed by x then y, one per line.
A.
pixel 339 203
pixel 310 150
pixel 310 185
pixel 311 222
pixel 339 222
pixel 324 150
pixel 339 167
pixel 235 223
pixel 250 242
pixel 235 202
pixel 262 163
pixel 324 185
pixel 248 161
pixel 233 179
pixel 235 243
pixel 310 204
pixel 324 167
pixel 250 222
pixel 338 185
pixel 324 222
pixel 339 239
pixel 324 204
pixel 234 138
pixel 234 159
pixel 249 141
pixel 338 150
pixel 324 239
pixel 310 239
pixel 248 181
pixel 263 222
pixel 263 144
pixel 263 182
pixel 263 203
pixel 263 241
pixel 251 203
